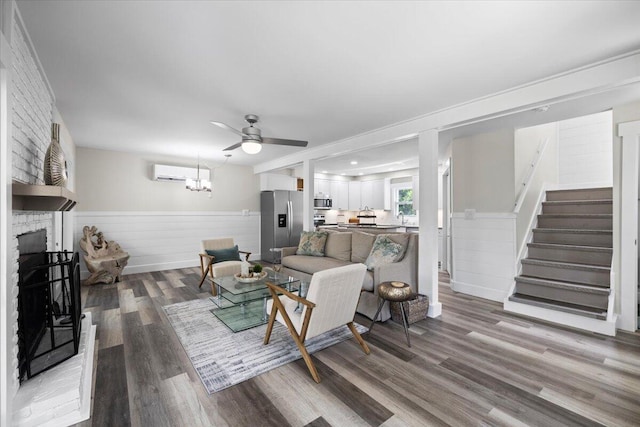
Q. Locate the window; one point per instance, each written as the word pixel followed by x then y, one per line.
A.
pixel 403 200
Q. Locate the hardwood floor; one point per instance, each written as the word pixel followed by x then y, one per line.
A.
pixel 476 365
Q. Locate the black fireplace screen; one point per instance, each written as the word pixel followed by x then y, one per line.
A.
pixel 48 307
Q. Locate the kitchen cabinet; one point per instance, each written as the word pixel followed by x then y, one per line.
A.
pixel 322 186
pixel 374 194
pixel 339 191
pixel 366 194
pixel 355 199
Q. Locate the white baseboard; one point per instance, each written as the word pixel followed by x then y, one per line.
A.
pixel 477 291
pixel 435 310
pixel 147 268
pixel 603 327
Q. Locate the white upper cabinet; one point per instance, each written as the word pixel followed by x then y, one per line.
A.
pixel 376 194
pixel 366 194
pixel 340 194
pixel 355 201
pixel 322 186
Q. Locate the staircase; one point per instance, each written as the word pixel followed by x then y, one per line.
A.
pixel 568 265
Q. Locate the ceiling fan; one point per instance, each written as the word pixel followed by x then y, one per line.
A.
pixel 252 139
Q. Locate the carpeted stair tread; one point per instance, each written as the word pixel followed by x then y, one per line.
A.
pixel 565 285
pixel 578 202
pixel 571 247
pixel 576 215
pixel 559 306
pixel 566 265
pixel 572 230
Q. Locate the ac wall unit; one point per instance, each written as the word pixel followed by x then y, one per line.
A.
pixel 178 173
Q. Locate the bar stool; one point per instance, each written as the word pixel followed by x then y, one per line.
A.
pixel 394 292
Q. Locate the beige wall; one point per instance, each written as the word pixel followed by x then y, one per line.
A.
pixel 483 172
pixel 119 181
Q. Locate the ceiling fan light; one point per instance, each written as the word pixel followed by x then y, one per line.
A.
pixel 251 147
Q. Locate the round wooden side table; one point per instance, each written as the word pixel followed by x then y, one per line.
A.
pixel 399 292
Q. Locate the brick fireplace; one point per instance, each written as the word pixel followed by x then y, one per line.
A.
pixel 61 395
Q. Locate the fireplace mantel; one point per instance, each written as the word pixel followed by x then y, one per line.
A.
pixel 29 197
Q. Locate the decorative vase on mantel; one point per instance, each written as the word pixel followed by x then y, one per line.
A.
pixel 55 166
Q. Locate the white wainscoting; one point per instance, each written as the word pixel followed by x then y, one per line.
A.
pixel 585 150
pixel 165 240
pixel 483 254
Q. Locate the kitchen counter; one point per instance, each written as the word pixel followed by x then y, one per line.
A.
pixel 393 227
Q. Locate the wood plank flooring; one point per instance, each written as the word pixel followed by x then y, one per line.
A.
pixel 476 365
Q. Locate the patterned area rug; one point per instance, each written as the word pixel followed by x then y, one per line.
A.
pixel 223 358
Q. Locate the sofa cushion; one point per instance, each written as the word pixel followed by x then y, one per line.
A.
pixel 311 264
pixel 361 244
pixel 338 246
pixel 312 243
pixel 384 251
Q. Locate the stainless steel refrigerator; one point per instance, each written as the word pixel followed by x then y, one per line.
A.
pixel 280 222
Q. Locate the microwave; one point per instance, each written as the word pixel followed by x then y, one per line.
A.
pixel 322 203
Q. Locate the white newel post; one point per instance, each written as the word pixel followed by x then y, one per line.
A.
pixel 308 168
pixel 428 213
pixel 630 135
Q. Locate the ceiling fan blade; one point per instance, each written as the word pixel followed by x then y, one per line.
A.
pixel 279 141
pixel 233 147
pixel 227 127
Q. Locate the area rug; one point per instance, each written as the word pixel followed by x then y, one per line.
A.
pixel 223 358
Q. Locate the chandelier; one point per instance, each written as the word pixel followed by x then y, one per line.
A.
pixel 199 184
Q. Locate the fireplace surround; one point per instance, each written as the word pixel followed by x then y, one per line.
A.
pixel 48 305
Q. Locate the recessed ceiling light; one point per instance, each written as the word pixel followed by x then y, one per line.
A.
pixel 343 174
pixel 361 173
pixel 354 162
pixel 324 171
pixel 391 169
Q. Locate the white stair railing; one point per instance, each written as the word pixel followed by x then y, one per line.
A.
pixel 526 182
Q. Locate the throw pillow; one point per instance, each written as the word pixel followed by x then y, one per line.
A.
pixel 384 251
pixel 312 243
pixel 227 254
pixel 401 239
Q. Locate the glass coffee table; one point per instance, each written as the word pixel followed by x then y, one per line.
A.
pixel 243 306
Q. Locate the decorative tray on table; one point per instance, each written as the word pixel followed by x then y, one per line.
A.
pixel 252 277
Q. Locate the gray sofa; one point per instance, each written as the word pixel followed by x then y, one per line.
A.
pixel 343 248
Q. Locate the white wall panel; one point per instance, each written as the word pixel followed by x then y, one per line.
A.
pixel 585 150
pixel 484 255
pixel 163 240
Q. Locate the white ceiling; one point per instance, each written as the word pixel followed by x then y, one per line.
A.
pixel 148 76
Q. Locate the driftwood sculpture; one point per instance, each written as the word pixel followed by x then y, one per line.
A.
pixel 105 259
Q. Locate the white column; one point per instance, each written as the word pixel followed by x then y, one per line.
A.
pixel 630 134
pixel 308 169
pixel 428 213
